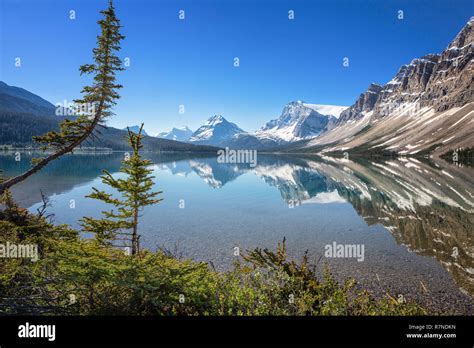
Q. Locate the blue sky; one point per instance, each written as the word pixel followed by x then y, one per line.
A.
pixel 190 62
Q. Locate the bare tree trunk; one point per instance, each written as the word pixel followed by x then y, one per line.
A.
pixel 135 245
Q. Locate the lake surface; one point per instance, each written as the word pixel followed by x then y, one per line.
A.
pixel 414 219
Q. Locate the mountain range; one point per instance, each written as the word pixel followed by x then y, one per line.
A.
pixel 297 121
pixel 427 108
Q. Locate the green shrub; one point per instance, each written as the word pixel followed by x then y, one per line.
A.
pixel 75 276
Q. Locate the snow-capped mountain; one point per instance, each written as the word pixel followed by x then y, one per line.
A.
pixel 428 107
pixel 299 120
pixel 136 129
pixel 216 131
pixel 178 134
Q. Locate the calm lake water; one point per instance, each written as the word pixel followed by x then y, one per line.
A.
pixel 414 219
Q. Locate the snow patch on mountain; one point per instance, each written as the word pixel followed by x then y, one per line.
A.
pixel 330 110
pixel 178 134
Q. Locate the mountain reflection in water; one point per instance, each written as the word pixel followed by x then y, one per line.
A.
pixel 428 207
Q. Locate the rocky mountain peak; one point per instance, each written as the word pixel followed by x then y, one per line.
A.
pixel 299 121
pixel 464 37
pixel 374 87
pixel 292 112
pixel 215 131
pixel 364 103
pixel 216 119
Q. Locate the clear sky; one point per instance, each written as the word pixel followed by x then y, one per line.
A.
pixel 190 62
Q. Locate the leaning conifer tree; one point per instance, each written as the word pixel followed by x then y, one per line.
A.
pixel 97 99
pixel 136 193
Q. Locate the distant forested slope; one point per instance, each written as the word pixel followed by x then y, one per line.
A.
pixel 24 115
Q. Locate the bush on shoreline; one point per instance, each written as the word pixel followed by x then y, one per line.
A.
pixel 75 276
